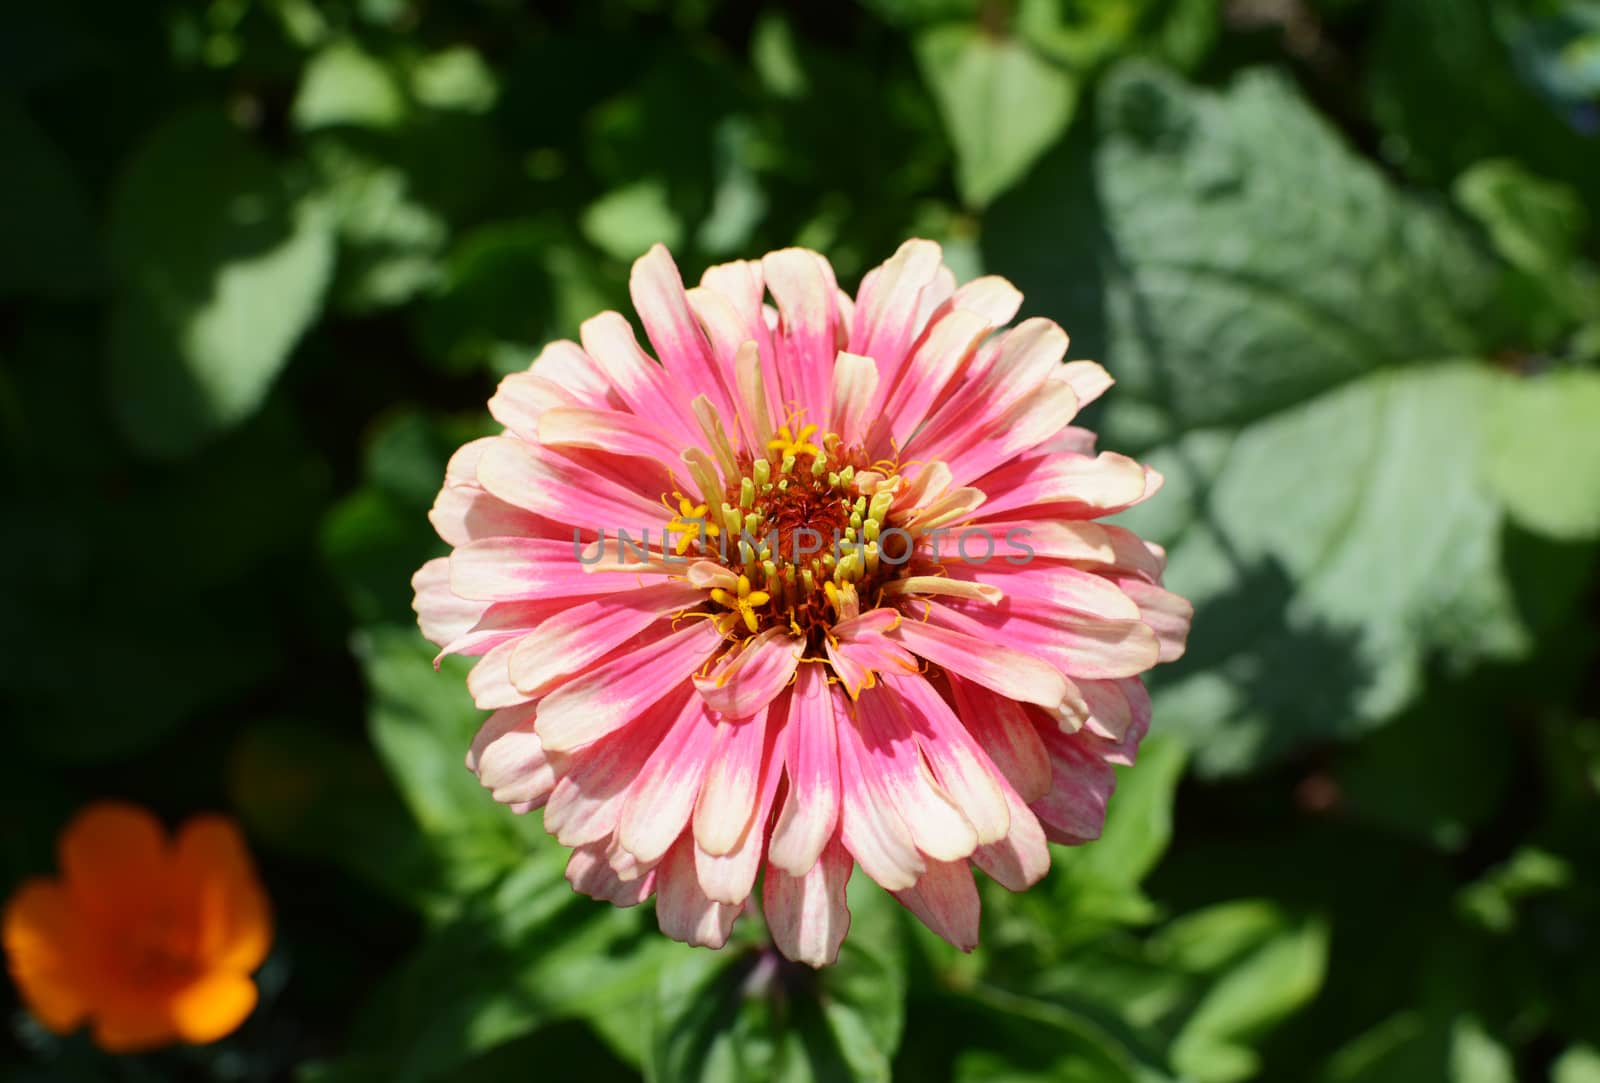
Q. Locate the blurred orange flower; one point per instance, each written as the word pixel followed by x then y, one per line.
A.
pixel 149 938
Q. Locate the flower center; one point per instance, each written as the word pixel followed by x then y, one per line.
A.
pixel 799 530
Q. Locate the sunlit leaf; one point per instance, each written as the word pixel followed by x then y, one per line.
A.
pixel 1002 104
pixel 220 270
pixel 1544 452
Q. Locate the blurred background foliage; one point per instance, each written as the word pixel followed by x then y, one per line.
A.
pixel 261 262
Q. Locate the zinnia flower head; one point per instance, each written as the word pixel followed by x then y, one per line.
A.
pixel 863 614
pixel 150 939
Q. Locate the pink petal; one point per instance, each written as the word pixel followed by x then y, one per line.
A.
pixel 1021 859
pixel 740 284
pixel 606 430
pixel 1105 547
pixel 889 304
pixel 1001 726
pixel 727 802
pixel 1074 810
pixel 1124 751
pixel 807 915
pixel 801 282
pixel 632 678
pixel 1029 353
pixel 747 679
pixel 463 512
pixel 728 332
pixel 1088 380
pixel 1020 427
pixel 1041 585
pixel 1076 645
pixel 528 569
pixel 490 680
pixel 1167 614
pixel 946 900
pixel 647 389
pixel 658 297
pixel 811 812
pixel 860 648
pixel 962 768
pixel 990 296
pixel 556 487
pixel 682 909
pixel 1110 714
pixel 565 364
pixel 936 362
pixel 579 635
pixel 523 397
pixel 442 614
pixel 855 380
pixel 509 761
pixel 660 800
pixel 870 827
pixel 730 877
pixel 936 823
pixel 1065 486
pixel 983 660
pixel 589 873
pixel 587 801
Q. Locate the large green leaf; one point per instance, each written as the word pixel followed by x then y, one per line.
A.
pixel 1280 322
pixel 221 269
pixel 1003 104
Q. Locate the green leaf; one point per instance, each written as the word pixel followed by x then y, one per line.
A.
pixel 47 232
pixel 422 722
pixel 508 288
pixel 1535 225
pixel 455 79
pixel 391 242
pixel 377 536
pixel 1019 1039
pixel 220 268
pixel 345 87
pixel 625 222
pixel 1266 966
pixel 523 952
pixel 1252 329
pixel 1538 227
pixel 1104 877
pixel 1413 1045
pixel 747 1013
pixel 1544 452
pixel 1579 1064
pixel 1002 104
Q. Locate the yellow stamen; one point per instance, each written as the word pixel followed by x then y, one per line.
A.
pixel 689 524
pixel 743 605
pixel 787 444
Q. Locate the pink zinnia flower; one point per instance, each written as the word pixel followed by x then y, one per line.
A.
pixel 949 683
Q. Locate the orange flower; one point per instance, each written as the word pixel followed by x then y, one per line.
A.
pixel 152 939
